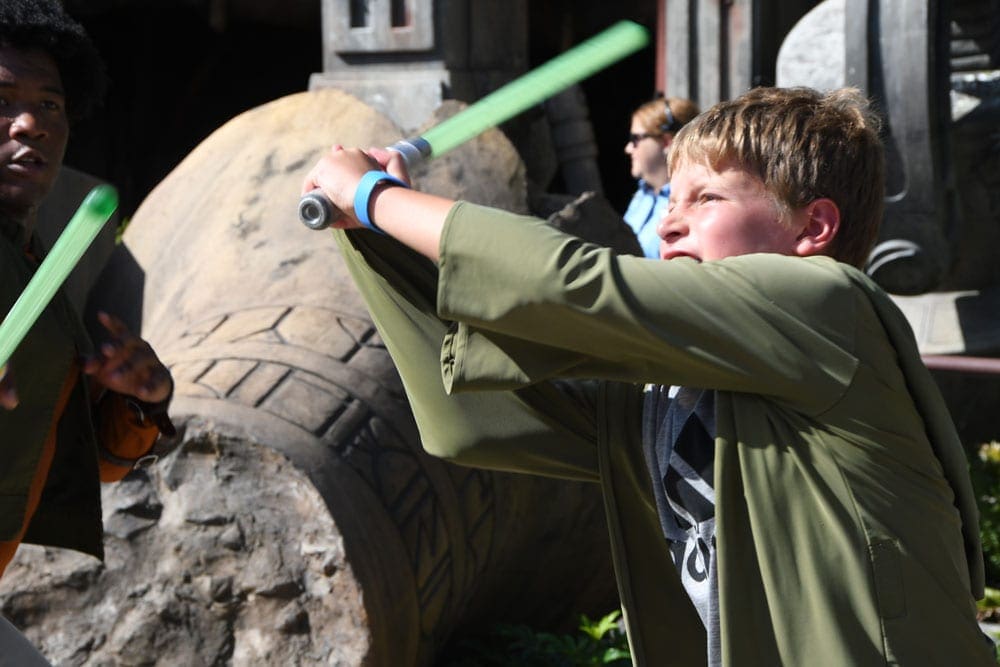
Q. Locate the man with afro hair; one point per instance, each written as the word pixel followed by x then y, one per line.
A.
pixel 72 413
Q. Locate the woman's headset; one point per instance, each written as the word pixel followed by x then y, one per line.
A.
pixel 671 125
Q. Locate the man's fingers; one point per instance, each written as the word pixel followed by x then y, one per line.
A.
pixel 113 324
pixel 8 398
pixel 8 392
pixel 131 368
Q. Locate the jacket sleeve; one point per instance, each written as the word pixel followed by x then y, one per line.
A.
pixel 547 429
pixel 532 303
pixel 123 436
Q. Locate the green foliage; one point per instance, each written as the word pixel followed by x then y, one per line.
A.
pixel 991 600
pixel 600 642
pixel 985 471
pixel 120 230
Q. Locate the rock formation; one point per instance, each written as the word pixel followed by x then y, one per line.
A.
pixel 297 522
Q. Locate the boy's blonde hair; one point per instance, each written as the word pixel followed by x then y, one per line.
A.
pixel 804 145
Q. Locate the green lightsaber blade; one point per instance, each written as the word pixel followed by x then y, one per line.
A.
pixel 588 57
pixel 88 220
pixel 556 75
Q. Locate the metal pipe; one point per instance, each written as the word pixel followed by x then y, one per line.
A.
pixel 962 364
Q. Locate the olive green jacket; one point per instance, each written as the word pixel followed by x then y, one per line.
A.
pixel 846 526
pixel 69 513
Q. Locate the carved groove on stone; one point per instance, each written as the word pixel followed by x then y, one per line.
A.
pixel 303 401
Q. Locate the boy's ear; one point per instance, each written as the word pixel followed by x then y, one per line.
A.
pixel 820 221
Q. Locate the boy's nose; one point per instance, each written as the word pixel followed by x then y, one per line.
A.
pixel 671 227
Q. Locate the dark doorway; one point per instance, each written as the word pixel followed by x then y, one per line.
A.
pixel 178 73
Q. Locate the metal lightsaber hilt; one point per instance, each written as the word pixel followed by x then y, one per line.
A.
pixel 316 211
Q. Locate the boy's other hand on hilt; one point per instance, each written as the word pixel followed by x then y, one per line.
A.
pixel 127 364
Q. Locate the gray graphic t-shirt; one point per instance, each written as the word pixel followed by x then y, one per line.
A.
pixel 679 444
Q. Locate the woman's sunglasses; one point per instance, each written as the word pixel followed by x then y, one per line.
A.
pixel 634 138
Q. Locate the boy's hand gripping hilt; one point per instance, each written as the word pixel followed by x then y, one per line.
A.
pixel 316 211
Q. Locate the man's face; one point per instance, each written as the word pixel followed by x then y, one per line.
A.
pixel 717 214
pixel 33 130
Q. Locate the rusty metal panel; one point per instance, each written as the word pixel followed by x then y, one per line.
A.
pixel 680 47
pixel 710 53
pixel 712 50
pixel 717 49
pixel 742 24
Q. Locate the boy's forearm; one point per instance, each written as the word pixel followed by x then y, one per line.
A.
pixel 413 218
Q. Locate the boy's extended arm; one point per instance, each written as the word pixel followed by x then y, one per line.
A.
pixel 546 429
pixel 534 303
pixel 560 307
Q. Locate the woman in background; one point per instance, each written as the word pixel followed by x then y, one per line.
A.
pixel 654 125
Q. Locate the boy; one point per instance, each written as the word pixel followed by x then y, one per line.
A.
pixel 68 418
pixel 810 503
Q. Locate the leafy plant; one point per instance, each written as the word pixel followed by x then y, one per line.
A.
pixel 985 471
pixel 599 642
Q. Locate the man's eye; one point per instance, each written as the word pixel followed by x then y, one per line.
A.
pixel 51 105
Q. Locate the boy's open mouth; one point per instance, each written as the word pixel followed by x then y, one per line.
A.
pixel 674 254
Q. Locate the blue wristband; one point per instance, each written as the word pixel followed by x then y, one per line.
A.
pixel 363 194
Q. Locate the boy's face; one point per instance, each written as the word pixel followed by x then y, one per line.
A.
pixel 721 213
pixel 33 129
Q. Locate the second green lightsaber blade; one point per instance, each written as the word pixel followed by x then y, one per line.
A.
pixel 88 220
pixel 593 55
